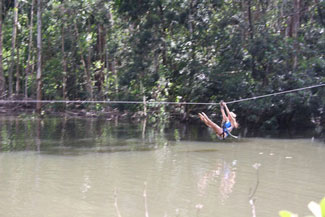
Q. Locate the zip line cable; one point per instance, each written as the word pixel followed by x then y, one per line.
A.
pixel 158 102
pixel 278 93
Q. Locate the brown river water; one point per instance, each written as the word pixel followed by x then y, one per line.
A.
pixel 86 168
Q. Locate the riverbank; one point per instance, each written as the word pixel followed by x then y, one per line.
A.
pixel 21 106
pixel 73 110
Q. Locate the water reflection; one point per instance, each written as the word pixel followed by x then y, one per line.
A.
pixel 224 175
pixel 86 185
pixel 66 135
pixel 38 134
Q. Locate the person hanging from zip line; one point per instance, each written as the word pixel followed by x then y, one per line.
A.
pixel 228 122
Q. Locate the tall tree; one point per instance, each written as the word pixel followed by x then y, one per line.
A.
pixel 111 55
pixel 2 79
pixel 101 42
pixel 251 33
pixel 30 49
pixel 320 11
pixel 13 47
pixel 39 57
pixel 87 74
pixel 17 71
pixel 295 28
pixel 64 64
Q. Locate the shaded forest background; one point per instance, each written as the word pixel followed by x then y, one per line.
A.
pixel 168 50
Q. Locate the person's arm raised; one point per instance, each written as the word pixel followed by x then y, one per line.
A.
pixel 232 119
pixel 224 116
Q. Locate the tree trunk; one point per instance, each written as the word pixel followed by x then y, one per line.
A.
pixel 39 56
pixel 190 19
pixel 191 28
pixel 64 63
pixel 295 28
pixel 280 19
pixel 2 79
pixel 103 71
pixel 320 12
pixel 13 47
pixel 106 76
pixel 251 33
pixel 113 63
pixel 86 71
pixel 163 35
pixel 30 49
pixel 17 72
pixel 101 44
pixel 250 20
pixel 89 53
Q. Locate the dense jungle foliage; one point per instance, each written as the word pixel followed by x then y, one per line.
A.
pixel 169 50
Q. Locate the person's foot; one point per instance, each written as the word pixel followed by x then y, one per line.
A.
pixel 204 115
pixel 201 117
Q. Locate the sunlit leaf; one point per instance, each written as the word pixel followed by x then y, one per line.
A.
pixel 284 213
pixel 322 206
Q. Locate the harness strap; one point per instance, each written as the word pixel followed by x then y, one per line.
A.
pixel 225 130
pixel 236 137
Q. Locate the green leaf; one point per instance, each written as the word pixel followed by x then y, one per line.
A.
pixel 284 213
pixel 322 206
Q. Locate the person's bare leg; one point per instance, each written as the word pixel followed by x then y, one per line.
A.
pixel 210 123
pixel 213 125
pixel 205 120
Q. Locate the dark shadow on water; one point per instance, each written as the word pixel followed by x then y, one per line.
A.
pixel 200 151
pixel 205 150
pixel 72 151
pixel 71 136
